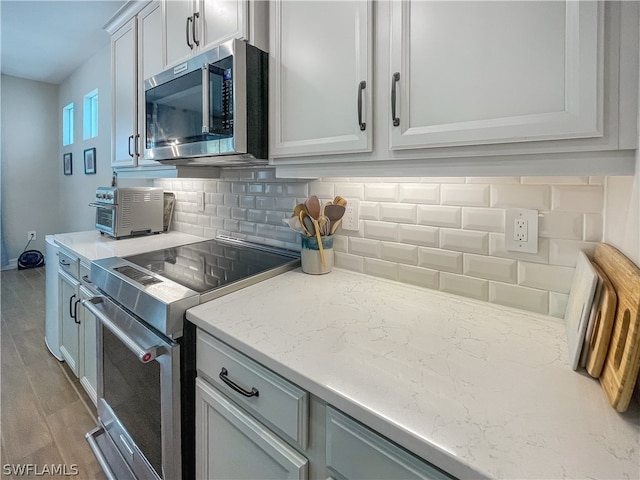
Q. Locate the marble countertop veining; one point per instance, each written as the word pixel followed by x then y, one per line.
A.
pixel 90 245
pixel 477 389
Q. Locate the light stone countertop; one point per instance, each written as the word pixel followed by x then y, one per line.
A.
pixel 477 389
pixel 90 245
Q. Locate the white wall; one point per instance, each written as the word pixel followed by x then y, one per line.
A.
pixel 77 190
pixel 31 162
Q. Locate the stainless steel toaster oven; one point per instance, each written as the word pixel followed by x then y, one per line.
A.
pixel 128 211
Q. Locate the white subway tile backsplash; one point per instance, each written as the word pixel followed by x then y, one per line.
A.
pixel 398 212
pixel 436 232
pixel 369 211
pixel 364 247
pixel 419 193
pixel 381 192
pixel 465 286
pixel 381 230
pixel 464 241
pixel 558 304
pixel 439 216
pixel 422 277
pixel 585 199
pixel 350 190
pixel 565 252
pixel 535 197
pixel 558 224
pixel 465 195
pixel 519 297
pixel 483 219
pixel 438 259
pixel 419 235
pixel 546 277
pixel 593 227
pixel 348 261
pixel 381 268
pixel 399 252
pixel 490 268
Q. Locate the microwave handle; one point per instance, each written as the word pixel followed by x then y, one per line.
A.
pixel 206 97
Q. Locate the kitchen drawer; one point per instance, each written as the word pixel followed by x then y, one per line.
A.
pixel 69 263
pixel 278 403
pixel 85 277
pixel 356 452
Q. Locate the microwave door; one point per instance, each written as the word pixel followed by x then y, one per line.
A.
pixel 174 111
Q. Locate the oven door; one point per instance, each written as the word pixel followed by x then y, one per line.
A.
pixel 106 217
pixel 138 396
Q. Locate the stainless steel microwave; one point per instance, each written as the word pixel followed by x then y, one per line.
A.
pixel 212 109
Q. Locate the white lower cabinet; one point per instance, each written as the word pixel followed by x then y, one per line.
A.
pixel 356 452
pixel 69 296
pixel 230 444
pixel 88 371
pixel 251 423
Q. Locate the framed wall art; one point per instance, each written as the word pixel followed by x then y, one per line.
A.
pixel 90 161
pixel 67 164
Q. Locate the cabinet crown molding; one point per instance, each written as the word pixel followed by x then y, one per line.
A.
pixel 124 14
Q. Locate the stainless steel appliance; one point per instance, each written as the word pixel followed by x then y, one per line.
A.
pixel 128 211
pixel 146 348
pixel 211 109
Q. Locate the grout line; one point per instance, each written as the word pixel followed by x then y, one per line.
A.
pixel 80 396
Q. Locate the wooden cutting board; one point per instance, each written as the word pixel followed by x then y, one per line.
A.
pixel 579 304
pixel 620 370
pixel 598 343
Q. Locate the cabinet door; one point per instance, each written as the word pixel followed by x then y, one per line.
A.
pixel 88 367
pixel 320 77
pixel 124 77
pixel 68 291
pixel 178 17
pixel 151 54
pixel 232 445
pixel 469 73
pixel 221 20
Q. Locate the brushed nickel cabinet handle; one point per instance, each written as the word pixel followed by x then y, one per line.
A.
pixel 189 44
pixel 193 28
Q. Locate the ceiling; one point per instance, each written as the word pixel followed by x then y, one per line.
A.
pixel 48 40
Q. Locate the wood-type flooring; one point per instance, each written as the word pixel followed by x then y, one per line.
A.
pixel 44 411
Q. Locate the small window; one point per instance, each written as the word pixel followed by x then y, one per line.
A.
pixel 90 117
pixel 67 124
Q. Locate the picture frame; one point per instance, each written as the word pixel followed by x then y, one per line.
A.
pixel 90 161
pixel 67 163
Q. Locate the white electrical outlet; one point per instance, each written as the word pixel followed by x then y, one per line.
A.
pixel 200 201
pixel 351 217
pixel 32 235
pixel 521 230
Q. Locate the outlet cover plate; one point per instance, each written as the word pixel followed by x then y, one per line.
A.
pixel 521 230
pixel 351 217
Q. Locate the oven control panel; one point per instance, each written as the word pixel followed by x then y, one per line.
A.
pixel 106 195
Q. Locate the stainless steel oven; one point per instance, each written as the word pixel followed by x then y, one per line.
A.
pixel 146 348
pixel 138 395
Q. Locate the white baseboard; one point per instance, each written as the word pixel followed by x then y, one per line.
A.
pixel 12 265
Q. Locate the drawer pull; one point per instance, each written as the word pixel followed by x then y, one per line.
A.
pixel 64 263
pixel 224 377
pixel 86 278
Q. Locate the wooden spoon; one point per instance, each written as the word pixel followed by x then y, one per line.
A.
pixel 334 213
pixel 307 224
pixel 313 206
pixel 339 201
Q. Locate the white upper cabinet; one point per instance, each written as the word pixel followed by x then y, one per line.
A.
pixel 458 88
pixel 137 52
pixel 469 73
pixel 193 26
pixel 123 74
pixel 320 77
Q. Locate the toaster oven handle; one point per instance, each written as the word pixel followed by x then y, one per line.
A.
pixel 144 354
pixel 206 96
pixel 103 205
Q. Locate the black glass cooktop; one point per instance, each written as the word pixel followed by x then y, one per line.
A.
pixel 212 264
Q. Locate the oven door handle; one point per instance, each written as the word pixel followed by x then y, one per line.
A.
pixel 144 354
